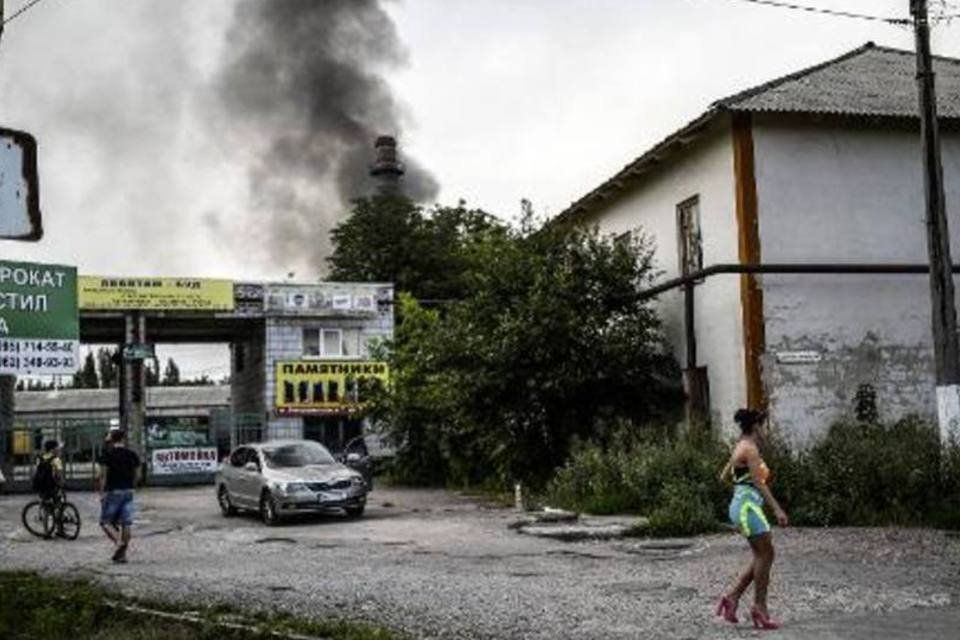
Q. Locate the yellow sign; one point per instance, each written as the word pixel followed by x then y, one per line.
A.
pixel 98 293
pixel 327 386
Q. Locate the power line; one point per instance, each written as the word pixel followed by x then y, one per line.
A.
pixel 829 12
pixel 21 11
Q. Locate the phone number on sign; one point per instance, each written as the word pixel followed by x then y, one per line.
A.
pixel 36 362
pixel 36 346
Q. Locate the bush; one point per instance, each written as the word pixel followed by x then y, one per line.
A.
pixel 671 478
pixel 867 474
pixel 857 474
pixel 684 510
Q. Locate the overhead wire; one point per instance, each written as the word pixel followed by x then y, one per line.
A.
pixel 21 11
pixel 829 12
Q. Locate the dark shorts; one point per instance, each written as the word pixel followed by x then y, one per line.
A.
pixel 117 508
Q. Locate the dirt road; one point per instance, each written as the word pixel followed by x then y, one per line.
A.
pixel 441 565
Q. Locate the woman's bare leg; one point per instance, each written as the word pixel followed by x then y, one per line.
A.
pixel 763 555
pixel 742 583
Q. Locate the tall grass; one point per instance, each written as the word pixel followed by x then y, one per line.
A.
pixel 858 473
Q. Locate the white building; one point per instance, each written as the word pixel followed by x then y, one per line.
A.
pixel 821 166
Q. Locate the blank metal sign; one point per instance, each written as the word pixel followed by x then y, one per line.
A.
pixel 19 187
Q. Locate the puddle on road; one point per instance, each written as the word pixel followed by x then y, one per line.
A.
pixel 275 540
pixel 526 574
pixel 664 549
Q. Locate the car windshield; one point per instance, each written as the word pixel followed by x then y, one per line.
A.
pixel 300 454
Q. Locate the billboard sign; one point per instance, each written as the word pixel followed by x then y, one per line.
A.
pixel 19 187
pixel 327 386
pixel 39 326
pixel 327 299
pixel 98 293
pixel 183 460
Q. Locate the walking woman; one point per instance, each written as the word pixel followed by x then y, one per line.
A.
pixel 750 475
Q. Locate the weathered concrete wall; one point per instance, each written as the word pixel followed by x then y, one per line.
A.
pixel 705 170
pixel 838 192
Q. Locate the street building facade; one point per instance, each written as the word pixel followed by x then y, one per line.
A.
pixel 821 167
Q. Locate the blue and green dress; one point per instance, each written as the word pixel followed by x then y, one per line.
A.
pixel 746 507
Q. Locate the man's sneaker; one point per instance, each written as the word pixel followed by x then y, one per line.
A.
pixel 120 555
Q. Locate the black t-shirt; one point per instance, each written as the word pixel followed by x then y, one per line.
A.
pixel 122 465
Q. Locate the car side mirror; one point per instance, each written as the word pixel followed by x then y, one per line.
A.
pixel 251 467
pixel 353 457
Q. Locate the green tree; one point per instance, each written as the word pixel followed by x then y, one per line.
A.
pixel 87 378
pixel 388 238
pixel 151 370
pixel 549 344
pixel 107 367
pixel 171 374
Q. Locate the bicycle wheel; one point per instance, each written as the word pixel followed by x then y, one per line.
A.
pixel 38 519
pixel 68 521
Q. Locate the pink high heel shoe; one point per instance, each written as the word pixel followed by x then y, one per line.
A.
pixel 762 620
pixel 727 610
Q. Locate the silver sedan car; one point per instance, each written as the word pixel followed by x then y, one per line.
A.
pixel 286 477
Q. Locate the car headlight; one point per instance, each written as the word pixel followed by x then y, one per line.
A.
pixel 289 487
pixel 357 481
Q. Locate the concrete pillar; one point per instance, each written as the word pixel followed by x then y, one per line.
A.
pixel 135 397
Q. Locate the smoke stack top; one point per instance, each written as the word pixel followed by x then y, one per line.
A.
pixel 302 83
pixel 386 169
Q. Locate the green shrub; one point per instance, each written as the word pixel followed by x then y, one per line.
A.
pixel 858 473
pixel 865 474
pixel 634 474
pixel 684 510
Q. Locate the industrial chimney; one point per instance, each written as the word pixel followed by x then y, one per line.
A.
pixel 386 169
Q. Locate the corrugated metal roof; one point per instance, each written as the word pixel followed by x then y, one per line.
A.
pixel 27 402
pixel 869 81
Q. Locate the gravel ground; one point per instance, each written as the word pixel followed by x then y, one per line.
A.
pixel 440 565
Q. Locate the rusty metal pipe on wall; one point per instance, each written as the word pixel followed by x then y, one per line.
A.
pixel 783 269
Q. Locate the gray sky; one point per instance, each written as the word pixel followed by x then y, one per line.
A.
pixel 143 171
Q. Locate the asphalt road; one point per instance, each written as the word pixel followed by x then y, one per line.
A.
pixel 439 565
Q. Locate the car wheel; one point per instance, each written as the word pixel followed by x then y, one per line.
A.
pixel 355 512
pixel 268 509
pixel 226 507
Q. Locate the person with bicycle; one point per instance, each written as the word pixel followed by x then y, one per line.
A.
pixel 115 478
pixel 48 475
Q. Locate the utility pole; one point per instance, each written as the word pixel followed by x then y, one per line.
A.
pixel 944 313
pixel 8 384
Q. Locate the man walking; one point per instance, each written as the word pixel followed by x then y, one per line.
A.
pixel 116 474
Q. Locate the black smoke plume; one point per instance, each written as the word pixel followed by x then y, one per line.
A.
pixel 302 83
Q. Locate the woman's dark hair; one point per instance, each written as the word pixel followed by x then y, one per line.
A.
pixel 50 445
pixel 748 419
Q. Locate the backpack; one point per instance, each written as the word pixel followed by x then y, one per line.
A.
pixel 43 481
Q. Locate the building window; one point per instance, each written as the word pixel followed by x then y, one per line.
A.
pixel 311 342
pixel 325 343
pixel 688 235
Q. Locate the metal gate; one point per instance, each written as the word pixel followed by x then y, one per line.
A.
pixel 81 440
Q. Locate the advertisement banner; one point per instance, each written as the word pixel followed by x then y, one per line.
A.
pixel 39 325
pixel 184 460
pixel 328 299
pixel 326 386
pixel 98 293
